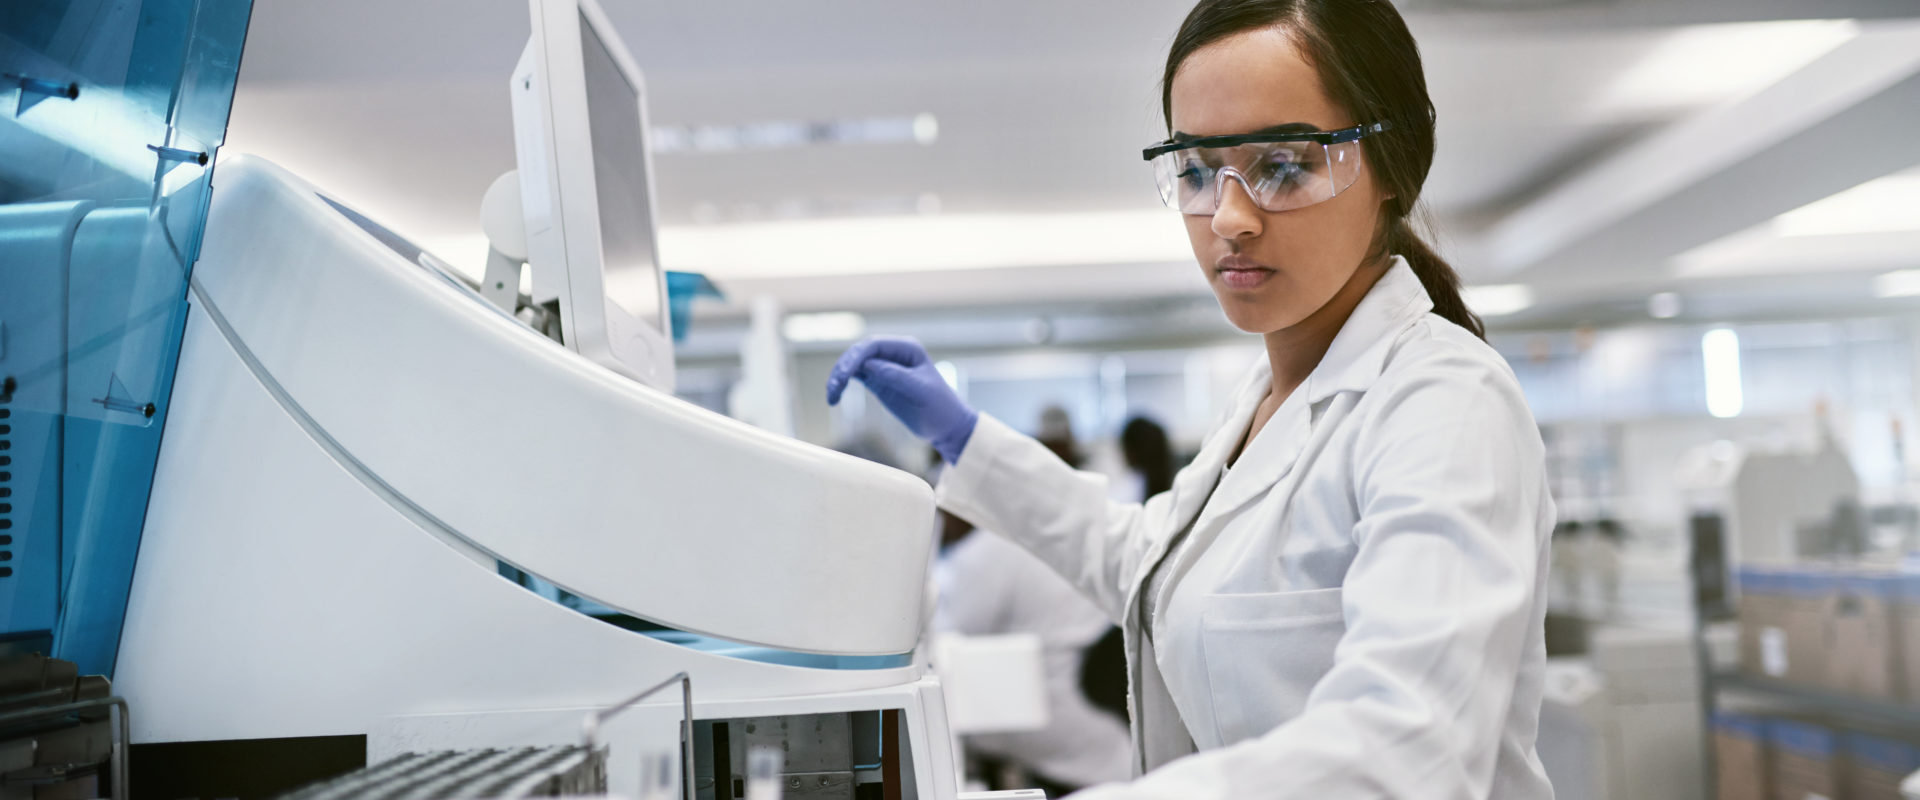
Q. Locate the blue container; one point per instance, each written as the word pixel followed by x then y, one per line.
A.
pixel 1756 580
pixel 1743 726
pixel 1801 739
pixel 1884 755
pixel 1883 585
pixel 1810 582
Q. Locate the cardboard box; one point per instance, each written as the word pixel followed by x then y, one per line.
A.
pixel 1803 759
pixel 1864 653
pixel 1907 641
pixel 1875 766
pixel 1761 604
pixel 1741 769
pixel 1806 620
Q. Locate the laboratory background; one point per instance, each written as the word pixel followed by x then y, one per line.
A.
pixel 330 467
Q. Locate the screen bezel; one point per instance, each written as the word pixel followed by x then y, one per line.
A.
pixel 553 144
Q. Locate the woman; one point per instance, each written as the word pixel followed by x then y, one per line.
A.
pixel 1343 595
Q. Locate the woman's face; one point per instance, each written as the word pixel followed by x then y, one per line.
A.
pixel 1271 270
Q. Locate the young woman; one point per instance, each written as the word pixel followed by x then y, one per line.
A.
pixel 1343 595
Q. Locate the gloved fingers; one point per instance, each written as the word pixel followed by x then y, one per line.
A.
pixel 885 377
pixel 845 368
pixel 902 350
pixel 897 349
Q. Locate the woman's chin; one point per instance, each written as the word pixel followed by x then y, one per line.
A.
pixel 1251 317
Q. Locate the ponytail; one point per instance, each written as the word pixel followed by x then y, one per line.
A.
pixel 1436 275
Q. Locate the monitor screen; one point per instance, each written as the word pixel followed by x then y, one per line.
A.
pixel 620 180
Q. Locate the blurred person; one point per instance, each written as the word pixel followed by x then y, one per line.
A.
pixel 1149 457
pixel 1056 432
pixel 989 586
pixel 1344 594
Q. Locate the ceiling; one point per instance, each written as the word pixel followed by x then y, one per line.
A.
pixel 1585 146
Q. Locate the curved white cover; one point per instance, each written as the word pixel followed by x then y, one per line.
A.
pixel 612 490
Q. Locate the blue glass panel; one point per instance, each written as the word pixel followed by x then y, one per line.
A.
pixel 111 114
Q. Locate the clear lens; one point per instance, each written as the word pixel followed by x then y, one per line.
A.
pixel 1279 176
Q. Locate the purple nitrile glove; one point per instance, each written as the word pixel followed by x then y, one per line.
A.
pixel 897 370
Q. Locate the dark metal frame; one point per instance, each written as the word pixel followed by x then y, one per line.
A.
pixel 1352 134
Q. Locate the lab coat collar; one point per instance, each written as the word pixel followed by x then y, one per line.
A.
pixel 1353 362
pixel 1359 350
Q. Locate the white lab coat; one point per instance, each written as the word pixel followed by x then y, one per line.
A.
pixel 1359 610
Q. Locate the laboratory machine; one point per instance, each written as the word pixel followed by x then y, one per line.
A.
pixel 401 510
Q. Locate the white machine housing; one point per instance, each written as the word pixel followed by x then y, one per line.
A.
pixel 568 227
pixel 358 443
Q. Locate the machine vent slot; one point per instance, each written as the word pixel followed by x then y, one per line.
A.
pixel 6 476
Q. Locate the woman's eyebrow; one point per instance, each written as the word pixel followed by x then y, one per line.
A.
pixel 1288 127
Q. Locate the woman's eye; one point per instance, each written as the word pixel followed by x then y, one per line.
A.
pixel 1283 170
pixel 1193 174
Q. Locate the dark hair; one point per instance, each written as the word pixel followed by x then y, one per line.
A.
pixel 1144 445
pixel 1370 65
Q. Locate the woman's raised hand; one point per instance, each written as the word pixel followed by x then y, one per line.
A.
pixel 897 370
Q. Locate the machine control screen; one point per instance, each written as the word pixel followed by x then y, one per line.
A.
pixel 632 276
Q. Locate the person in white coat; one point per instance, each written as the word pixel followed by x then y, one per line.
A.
pixel 1343 596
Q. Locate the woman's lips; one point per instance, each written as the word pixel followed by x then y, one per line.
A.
pixel 1241 273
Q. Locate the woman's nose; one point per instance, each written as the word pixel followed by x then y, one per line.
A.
pixel 1237 215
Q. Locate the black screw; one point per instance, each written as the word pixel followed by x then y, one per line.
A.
pixel 148 410
pixel 7 386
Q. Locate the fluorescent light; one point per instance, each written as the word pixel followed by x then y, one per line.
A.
pixel 837 326
pixel 1883 205
pixel 1499 299
pixel 921 243
pixel 787 134
pixel 1665 305
pixel 1898 283
pixel 926 128
pixel 1706 64
pixel 1720 351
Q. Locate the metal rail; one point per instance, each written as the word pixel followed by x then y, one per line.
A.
pixel 117 755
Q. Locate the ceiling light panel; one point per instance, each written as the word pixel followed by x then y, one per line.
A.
pixel 1700 65
pixel 1498 300
pixel 1884 205
pixel 922 129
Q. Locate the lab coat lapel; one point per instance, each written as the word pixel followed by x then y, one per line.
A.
pixel 1352 362
pixel 1193 488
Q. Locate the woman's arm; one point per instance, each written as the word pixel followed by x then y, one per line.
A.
pixel 1441 605
pixel 1004 481
pixel 1013 485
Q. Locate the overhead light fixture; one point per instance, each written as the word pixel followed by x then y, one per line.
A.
pixel 924 242
pixel 836 326
pixel 1720 353
pixel 1665 305
pixel 1889 204
pixel 1705 64
pixel 1898 283
pixel 1498 300
pixel 921 129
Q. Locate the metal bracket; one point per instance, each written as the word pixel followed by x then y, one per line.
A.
pixel 34 90
pixel 590 726
pixel 121 733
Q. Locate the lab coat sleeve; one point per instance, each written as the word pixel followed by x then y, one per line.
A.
pixel 1009 483
pixel 1440 606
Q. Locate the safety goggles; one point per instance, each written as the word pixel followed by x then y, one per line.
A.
pixel 1280 171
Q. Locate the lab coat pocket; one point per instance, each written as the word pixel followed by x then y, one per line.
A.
pixel 1264 653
